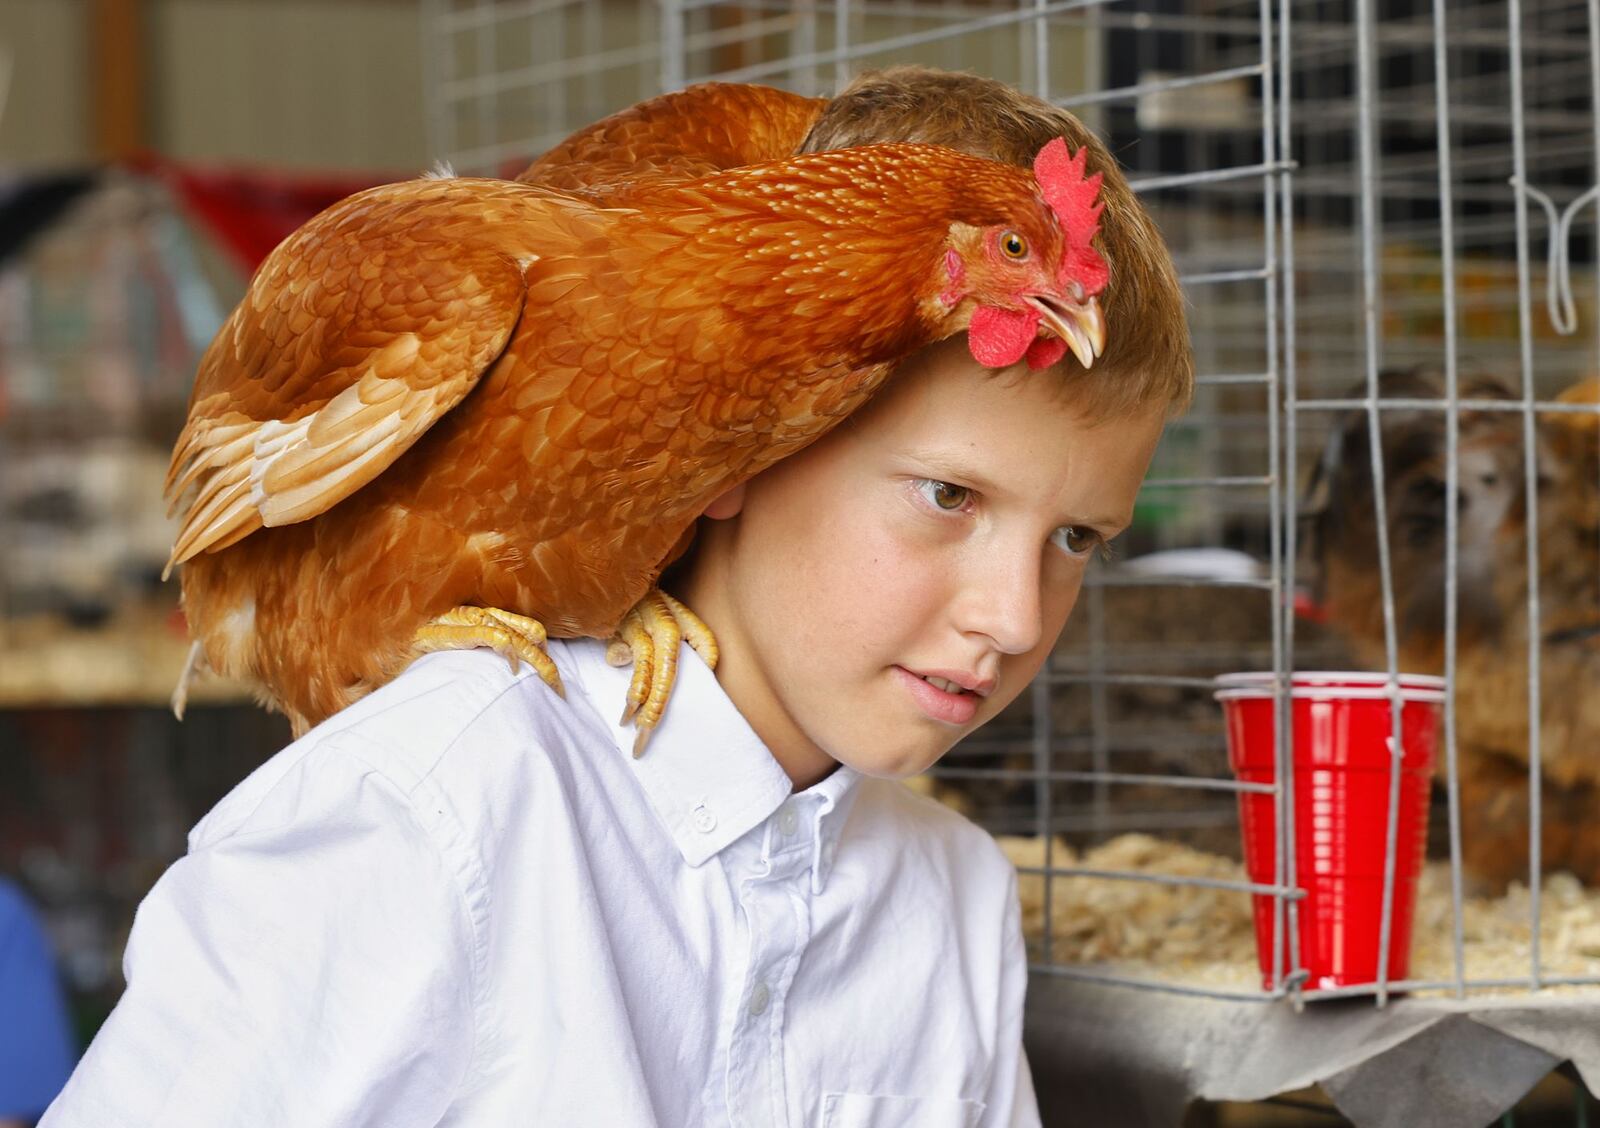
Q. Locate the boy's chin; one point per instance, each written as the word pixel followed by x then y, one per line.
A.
pixel 895 763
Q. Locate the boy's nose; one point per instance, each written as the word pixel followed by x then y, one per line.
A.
pixel 1002 602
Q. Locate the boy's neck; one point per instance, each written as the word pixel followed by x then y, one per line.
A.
pixel 802 781
pixel 803 762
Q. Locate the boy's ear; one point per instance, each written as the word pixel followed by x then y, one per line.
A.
pixel 728 505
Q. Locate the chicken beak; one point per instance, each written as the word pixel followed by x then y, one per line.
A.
pixel 1079 324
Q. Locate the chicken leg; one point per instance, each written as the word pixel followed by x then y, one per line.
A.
pixel 516 638
pixel 648 637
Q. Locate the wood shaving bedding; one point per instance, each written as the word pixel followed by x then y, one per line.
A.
pixel 1204 937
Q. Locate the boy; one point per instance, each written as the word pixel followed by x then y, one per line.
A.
pixel 462 902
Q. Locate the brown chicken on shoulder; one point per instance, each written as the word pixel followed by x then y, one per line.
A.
pixel 456 412
pixel 1493 625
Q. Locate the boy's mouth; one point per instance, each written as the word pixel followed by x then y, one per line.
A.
pixel 941 697
pixel 955 681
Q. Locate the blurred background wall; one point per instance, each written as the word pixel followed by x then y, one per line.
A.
pixel 121 124
pixel 290 83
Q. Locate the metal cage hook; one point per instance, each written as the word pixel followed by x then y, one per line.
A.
pixel 1559 302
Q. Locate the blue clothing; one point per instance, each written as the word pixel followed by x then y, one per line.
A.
pixel 36 1050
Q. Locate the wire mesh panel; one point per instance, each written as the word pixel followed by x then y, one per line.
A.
pixel 1382 216
pixel 1443 141
pixel 506 80
pixel 1432 330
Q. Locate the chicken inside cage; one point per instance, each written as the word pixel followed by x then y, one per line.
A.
pixel 1494 629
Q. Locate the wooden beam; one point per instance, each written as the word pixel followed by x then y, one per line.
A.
pixel 117 67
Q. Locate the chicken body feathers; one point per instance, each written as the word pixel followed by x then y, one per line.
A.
pixel 688 133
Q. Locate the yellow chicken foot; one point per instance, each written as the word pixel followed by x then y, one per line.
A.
pixel 516 638
pixel 648 637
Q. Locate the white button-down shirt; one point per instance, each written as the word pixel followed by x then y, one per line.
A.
pixel 461 902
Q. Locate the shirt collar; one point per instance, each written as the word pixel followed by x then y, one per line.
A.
pixel 828 804
pixel 706 773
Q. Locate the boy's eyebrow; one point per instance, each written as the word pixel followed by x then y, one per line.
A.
pixel 951 463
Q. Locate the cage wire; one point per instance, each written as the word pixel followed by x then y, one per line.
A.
pixel 1348 186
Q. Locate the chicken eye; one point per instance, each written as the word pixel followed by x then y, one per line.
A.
pixel 943 495
pixel 1013 246
pixel 1076 540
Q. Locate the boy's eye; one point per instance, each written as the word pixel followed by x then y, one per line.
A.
pixel 943 495
pixel 1076 540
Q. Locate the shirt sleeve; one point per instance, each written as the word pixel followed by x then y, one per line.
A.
pixel 1011 1102
pixel 308 963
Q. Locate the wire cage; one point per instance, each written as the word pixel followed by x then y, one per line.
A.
pixel 1381 214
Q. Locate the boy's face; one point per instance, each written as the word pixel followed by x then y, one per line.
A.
pixel 942 533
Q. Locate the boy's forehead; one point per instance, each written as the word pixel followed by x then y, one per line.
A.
pixel 943 387
pixel 1013 432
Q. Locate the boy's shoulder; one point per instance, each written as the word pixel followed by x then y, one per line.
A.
pixel 446 700
pixel 458 720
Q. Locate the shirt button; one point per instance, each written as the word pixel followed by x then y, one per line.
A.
pixel 702 819
pixel 788 821
pixel 759 999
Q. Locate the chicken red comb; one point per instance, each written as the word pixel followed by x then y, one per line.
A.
pixel 1075 200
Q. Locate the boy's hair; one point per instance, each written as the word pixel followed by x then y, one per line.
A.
pixel 1148 359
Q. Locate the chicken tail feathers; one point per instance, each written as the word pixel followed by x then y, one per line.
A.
pixel 303 398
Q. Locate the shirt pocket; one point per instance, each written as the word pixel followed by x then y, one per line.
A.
pixel 857 1110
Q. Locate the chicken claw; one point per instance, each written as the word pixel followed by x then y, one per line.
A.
pixel 648 637
pixel 516 638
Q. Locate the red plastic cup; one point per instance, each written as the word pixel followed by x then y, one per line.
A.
pixel 1342 728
